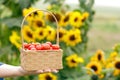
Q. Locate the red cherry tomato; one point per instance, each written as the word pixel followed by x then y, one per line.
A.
pixel 55 47
pixel 45 46
pixel 38 47
pixel 49 43
pixel 31 46
pixel 26 45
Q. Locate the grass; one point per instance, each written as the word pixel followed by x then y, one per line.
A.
pixel 105 30
pixel 104 33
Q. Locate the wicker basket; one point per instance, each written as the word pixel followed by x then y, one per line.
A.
pixel 41 59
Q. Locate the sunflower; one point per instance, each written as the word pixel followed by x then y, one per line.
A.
pixel 113 54
pixel 72 37
pixel 116 72
pixel 47 76
pixel 51 18
pixel 15 39
pixel 62 33
pixel 117 67
pixel 25 12
pixel 33 15
pixel 85 15
pixel 28 34
pixel 95 66
pixel 51 33
pixel 117 64
pixel 38 23
pixel 99 55
pixel 40 33
pixel 65 20
pixel 73 60
pixel 109 65
pixel 76 19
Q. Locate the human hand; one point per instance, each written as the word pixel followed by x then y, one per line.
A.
pixel 12 71
pixel 24 72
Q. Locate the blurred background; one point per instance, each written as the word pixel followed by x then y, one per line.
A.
pixel 105 30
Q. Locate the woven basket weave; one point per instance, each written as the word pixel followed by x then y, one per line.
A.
pixel 41 59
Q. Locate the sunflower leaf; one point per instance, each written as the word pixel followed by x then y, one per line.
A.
pixel 10 22
pixel 85 77
pixel 24 3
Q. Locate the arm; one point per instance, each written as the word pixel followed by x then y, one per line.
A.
pixel 12 71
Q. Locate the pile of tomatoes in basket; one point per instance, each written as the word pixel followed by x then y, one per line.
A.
pixel 39 46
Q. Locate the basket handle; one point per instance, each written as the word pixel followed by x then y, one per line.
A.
pixel 57 40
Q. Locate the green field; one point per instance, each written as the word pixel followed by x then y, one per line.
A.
pixel 105 30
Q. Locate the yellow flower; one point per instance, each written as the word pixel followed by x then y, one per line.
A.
pixel 113 54
pixel 95 66
pixel 51 18
pixel 32 15
pixel 116 72
pixel 47 76
pixel 116 67
pixel 117 64
pixel 109 65
pixel 101 76
pixel 85 15
pixel 62 33
pixel 100 55
pixel 73 60
pixel 15 39
pixel 40 33
pixel 73 37
pixel 65 20
pixel 51 33
pixel 28 34
pixel 37 23
pixel 76 19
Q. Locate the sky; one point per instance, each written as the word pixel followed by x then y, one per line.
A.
pixel 106 3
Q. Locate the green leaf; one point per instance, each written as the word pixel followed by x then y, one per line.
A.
pixel 1 1
pixel 90 4
pixel 10 22
pixel 85 77
pixel 24 3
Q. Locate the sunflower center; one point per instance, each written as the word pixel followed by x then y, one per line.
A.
pixel 117 65
pixel 39 23
pixel 41 33
pixel 49 32
pixel 29 34
pixel 48 77
pixel 60 34
pixel 58 17
pixel 73 61
pixel 94 68
pixel 72 37
pixel 35 13
pixel 66 19
pixel 51 18
pixel 76 19
pixel 30 15
pixel 99 57
pixel 83 19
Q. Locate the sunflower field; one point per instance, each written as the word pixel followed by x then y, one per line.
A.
pixel 74 25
